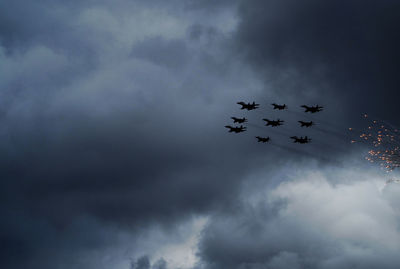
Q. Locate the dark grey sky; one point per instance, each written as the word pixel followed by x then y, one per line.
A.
pixel 114 155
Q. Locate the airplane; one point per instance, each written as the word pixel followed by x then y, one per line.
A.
pixel 236 129
pixel 238 120
pixel 280 107
pixel 262 139
pixel 248 106
pixel 306 123
pixel 312 109
pixel 301 140
pixel 273 123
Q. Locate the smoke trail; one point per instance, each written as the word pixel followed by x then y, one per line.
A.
pixel 306 153
pixel 271 129
pixel 333 133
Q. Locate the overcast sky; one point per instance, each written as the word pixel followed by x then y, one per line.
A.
pixel 113 151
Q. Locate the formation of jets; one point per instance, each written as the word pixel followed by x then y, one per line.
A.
pixel 236 129
pixel 312 109
pixel 262 139
pixel 301 140
pixel 273 123
pixel 248 106
pixel 306 123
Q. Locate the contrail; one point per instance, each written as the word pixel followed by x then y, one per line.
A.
pixel 272 130
pixel 303 152
pixel 334 133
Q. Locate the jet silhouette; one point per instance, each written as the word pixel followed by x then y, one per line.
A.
pixel 273 123
pixel 236 129
pixel 301 140
pixel 306 123
pixel 280 107
pixel 248 106
pixel 262 139
pixel 238 120
pixel 312 109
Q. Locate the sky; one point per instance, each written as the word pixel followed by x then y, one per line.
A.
pixel 113 151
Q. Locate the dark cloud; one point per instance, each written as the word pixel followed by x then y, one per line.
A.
pixel 160 264
pixel 209 5
pixel 112 115
pixel 347 49
pixel 109 117
pixel 144 263
pixel 171 53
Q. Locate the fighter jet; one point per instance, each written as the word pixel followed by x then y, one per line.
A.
pixel 273 123
pixel 236 129
pixel 312 109
pixel 306 123
pixel 248 106
pixel 238 120
pixel 301 140
pixel 262 139
pixel 280 107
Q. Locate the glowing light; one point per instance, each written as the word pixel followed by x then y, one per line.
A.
pixel 386 140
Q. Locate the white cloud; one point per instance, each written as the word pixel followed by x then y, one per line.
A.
pixel 309 222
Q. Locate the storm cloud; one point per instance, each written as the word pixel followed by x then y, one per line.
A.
pixel 344 49
pixel 113 152
pixel 101 124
